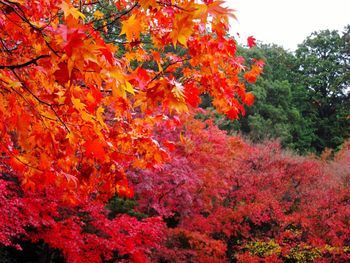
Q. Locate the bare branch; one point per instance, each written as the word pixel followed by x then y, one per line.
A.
pixel 32 61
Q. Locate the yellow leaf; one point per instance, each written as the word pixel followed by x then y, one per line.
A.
pixel 99 112
pixel 118 89
pixel 14 84
pixel 60 99
pixel 182 40
pixel 117 75
pixel 178 106
pixel 183 28
pixel 70 10
pixel 77 104
pixel 105 28
pixel 87 117
pixel 71 138
pixel 98 14
pixel 128 87
pixel 132 28
pixel 119 92
pixel 37 48
pixel 199 10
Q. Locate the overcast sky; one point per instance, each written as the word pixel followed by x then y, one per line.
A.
pixel 287 22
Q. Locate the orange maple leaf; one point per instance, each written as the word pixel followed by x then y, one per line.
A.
pixel 70 10
pixel 132 28
pixel 183 28
pixel 216 9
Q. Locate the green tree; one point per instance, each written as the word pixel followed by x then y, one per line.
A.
pixel 323 60
pixel 279 101
pixel 302 98
pixel 274 115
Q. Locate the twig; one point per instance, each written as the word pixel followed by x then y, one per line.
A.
pixel 165 68
pixel 117 17
pixel 41 101
pixel 32 61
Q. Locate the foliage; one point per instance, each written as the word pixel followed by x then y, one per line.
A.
pixel 249 203
pixel 83 233
pixel 79 104
pixel 102 159
pixel 76 114
pixel 281 103
pixel 302 98
pixel 323 60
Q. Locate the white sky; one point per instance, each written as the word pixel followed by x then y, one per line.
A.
pixel 287 22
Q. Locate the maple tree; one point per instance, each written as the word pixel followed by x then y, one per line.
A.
pixel 83 233
pixel 246 203
pixel 74 114
pixel 103 160
pixel 78 107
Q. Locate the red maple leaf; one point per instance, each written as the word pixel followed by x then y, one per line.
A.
pixel 251 41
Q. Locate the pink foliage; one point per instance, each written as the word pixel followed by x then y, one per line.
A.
pixel 235 193
pixel 214 200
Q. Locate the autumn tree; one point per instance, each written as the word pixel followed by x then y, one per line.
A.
pixel 74 114
pixel 225 200
pixel 77 110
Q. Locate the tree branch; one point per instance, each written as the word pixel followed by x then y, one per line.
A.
pixel 117 17
pixel 41 101
pixel 166 67
pixel 32 61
